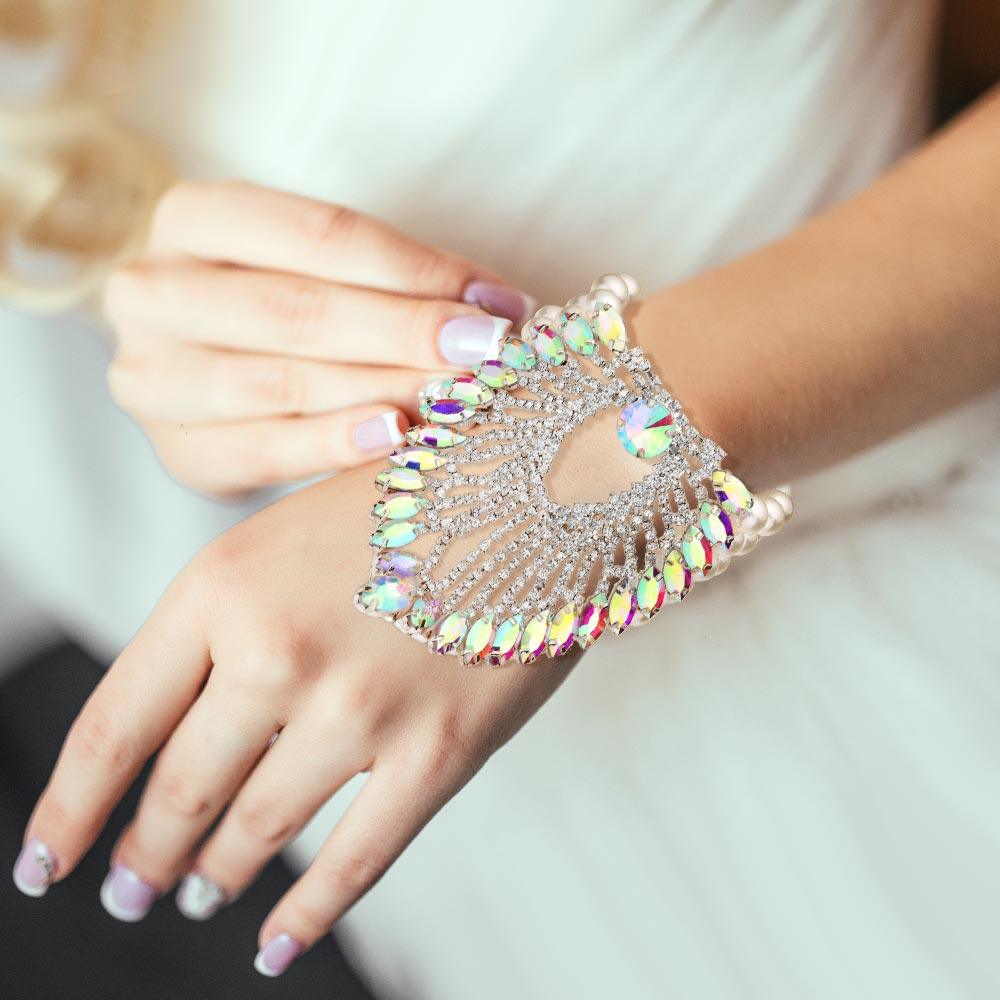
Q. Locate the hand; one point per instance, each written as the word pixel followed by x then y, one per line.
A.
pixel 264 337
pixel 258 636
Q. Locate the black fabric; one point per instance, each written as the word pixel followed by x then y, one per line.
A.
pixel 64 946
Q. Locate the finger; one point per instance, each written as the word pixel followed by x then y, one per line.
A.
pixel 197 773
pixel 125 720
pixel 269 313
pixel 241 223
pixel 303 769
pixel 389 811
pixel 198 385
pixel 231 458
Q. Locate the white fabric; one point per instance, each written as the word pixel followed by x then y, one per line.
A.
pixel 789 788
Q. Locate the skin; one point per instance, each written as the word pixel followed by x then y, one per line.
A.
pixel 878 314
pixel 244 332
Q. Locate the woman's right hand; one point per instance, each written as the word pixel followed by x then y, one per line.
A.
pixel 264 337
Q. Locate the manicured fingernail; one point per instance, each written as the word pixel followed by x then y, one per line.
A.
pixel 125 896
pixel 500 300
pixel 378 433
pixel 277 955
pixel 34 869
pixel 198 898
pixel 468 340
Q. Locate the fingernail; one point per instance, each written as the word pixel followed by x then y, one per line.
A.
pixel 277 955
pixel 468 340
pixel 199 898
pixel 34 869
pixel 500 300
pixel 125 896
pixel 378 433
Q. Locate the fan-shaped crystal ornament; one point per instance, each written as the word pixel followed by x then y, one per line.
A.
pixel 509 574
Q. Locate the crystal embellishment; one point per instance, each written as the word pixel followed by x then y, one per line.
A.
pixel 434 436
pixel 645 428
pixel 593 619
pixel 610 327
pixel 562 630
pixel 505 570
pixel 399 507
pixel 415 457
pixel 386 594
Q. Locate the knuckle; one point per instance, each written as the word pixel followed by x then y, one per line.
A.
pixel 299 308
pixel 286 387
pixel 179 794
pixel 354 874
pixel 435 269
pixel 263 822
pixel 328 225
pixel 456 745
pixel 101 738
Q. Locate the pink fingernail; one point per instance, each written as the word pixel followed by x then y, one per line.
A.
pixel 467 341
pixel 126 896
pixel 500 300
pixel 379 433
pixel 34 869
pixel 277 955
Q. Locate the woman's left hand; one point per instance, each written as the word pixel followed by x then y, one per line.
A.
pixel 259 636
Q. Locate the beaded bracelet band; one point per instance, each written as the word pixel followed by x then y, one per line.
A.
pixel 511 572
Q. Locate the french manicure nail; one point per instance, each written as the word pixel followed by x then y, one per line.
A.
pixel 34 869
pixel 126 896
pixel 468 340
pixel 378 433
pixel 500 300
pixel 199 898
pixel 277 955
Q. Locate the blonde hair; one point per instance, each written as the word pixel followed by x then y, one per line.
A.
pixel 75 181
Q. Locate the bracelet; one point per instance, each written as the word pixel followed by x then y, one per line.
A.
pixel 513 574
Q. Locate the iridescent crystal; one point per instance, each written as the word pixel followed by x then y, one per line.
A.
pixel 496 374
pixel 445 411
pixel 398 564
pixel 518 354
pixel 504 645
pixel 400 479
pixel 478 639
pixel 731 493
pixel 621 607
pixel 386 594
pixel 715 524
pixel 576 333
pixel 434 437
pixel 532 643
pixel 593 619
pixel 676 575
pixel 395 534
pixel 645 428
pixel 610 327
pixel 415 457
pixel 399 507
pixel 697 550
pixel 650 592
pixel 423 614
pixel 449 632
pixel 467 389
pixel 548 344
pixel 562 630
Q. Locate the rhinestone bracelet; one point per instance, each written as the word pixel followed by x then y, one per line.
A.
pixel 511 572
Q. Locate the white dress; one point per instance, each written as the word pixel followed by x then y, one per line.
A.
pixel 787 790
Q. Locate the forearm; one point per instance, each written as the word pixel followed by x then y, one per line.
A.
pixel 880 313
